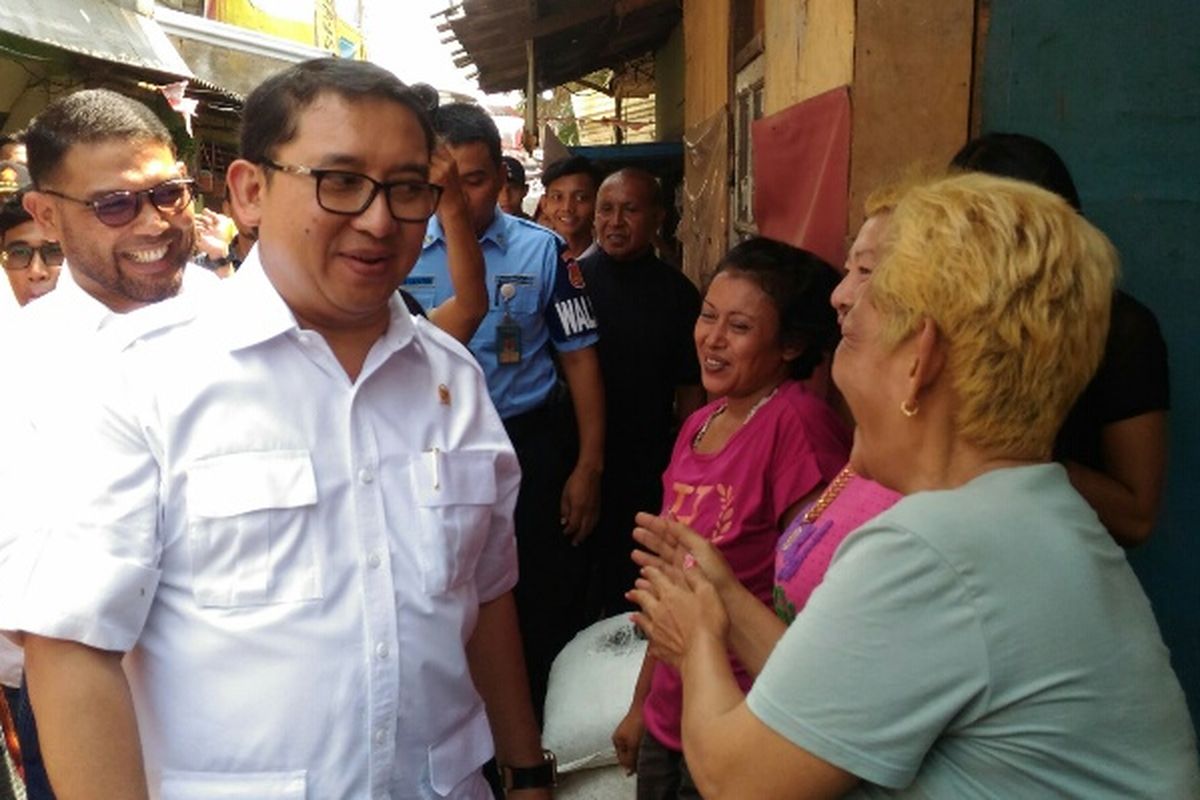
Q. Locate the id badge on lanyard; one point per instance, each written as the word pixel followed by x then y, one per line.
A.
pixel 508 332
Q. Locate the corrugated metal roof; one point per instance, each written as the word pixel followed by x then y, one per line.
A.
pixel 97 29
pixel 571 37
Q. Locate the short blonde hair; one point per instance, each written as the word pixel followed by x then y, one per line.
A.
pixel 884 197
pixel 1019 286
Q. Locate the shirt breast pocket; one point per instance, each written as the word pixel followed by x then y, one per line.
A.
pixel 455 492
pixel 521 297
pixel 179 785
pixel 249 518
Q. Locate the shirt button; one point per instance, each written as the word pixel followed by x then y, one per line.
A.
pixel 366 476
pixel 373 561
pixel 381 651
pixel 380 736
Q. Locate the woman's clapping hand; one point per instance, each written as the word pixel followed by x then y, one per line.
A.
pixel 669 541
pixel 679 603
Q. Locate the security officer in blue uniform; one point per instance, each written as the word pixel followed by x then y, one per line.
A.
pixel 539 318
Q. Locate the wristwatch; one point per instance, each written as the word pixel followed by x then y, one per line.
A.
pixel 208 262
pixel 542 776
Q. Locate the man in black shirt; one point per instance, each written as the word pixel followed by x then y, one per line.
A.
pixel 646 311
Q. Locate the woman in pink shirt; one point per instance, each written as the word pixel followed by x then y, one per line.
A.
pixel 806 548
pixel 745 463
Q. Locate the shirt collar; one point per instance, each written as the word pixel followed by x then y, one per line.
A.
pixel 253 311
pixel 497 232
pixel 89 313
pixel 401 326
pixel 590 250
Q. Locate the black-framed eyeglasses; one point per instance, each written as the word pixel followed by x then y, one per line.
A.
pixel 18 256
pixel 351 193
pixel 122 207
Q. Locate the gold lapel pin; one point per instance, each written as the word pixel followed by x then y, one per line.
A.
pixel 443 394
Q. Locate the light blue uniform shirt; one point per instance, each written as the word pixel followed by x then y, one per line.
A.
pixel 546 300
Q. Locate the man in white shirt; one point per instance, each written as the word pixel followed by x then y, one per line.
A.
pixel 290 505
pixel 127 235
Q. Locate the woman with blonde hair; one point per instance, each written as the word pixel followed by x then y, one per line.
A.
pixel 984 636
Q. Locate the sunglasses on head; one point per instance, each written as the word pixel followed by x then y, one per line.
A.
pixel 19 256
pixel 122 207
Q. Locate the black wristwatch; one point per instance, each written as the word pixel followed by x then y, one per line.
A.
pixel 542 776
pixel 208 262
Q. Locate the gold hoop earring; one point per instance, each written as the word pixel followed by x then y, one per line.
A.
pixel 909 408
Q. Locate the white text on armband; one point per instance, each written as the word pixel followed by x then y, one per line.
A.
pixel 575 314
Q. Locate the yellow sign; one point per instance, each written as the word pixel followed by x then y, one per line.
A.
pixel 314 22
pixel 327 25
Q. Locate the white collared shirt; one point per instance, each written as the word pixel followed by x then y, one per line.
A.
pixel 47 348
pixel 293 561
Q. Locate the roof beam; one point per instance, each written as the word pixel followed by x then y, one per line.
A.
pixel 578 15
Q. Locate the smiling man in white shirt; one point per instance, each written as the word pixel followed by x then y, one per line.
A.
pixel 108 187
pixel 290 506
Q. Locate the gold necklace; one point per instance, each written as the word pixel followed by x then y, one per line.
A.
pixel 829 495
pixel 823 502
pixel 719 410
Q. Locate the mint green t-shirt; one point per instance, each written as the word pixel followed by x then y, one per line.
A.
pixel 990 641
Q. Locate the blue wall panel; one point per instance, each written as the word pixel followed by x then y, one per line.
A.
pixel 1114 86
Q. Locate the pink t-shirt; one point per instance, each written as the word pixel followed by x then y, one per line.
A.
pixel 806 548
pixel 736 497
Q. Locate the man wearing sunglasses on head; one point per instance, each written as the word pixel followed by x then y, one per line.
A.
pixel 285 560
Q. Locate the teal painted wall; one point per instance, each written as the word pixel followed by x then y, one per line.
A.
pixel 1114 86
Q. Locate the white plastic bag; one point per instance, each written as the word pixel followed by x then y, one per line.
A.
pixel 591 684
pixel 601 783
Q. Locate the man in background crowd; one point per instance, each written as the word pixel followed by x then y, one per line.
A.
pixel 515 188
pixel 31 260
pixel 538 311
pixel 12 147
pixel 647 311
pixel 570 203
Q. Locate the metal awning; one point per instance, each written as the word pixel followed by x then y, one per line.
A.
pixel 97 29
pixel 571 38
pixel 235 58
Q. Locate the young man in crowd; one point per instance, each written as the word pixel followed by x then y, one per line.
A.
pixel 538 312
pixel 31 260
pixel 283 562
pixel 515 188
pixel 12 147
pixel 570 203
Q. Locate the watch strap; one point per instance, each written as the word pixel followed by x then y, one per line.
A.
pixel 536 777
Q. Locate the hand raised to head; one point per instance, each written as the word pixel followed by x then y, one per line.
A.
pixel 443 172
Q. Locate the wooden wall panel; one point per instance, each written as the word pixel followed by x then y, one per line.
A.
pixel 912 89
pixel 704 227
pixel 809 48
pixel 707 66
